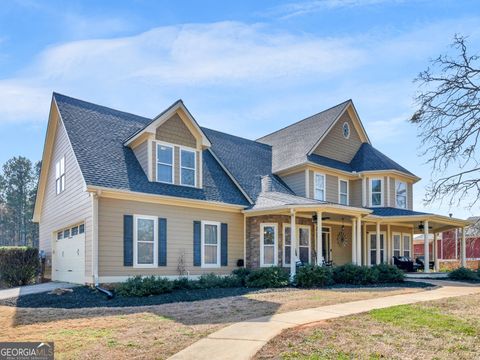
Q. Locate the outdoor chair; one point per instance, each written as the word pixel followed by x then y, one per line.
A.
pixel 420 260
pixel 404 263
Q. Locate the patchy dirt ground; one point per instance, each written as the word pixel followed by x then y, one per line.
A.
pixel 158 331
pixel 443 329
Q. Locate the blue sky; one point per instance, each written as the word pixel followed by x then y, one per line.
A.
pixel 244 67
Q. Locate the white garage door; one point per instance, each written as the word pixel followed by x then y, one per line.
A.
pixel 68 263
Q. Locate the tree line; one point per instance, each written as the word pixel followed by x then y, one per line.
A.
pixel 18 190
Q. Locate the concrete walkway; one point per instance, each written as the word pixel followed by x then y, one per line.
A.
pixel 33 289
pixel 244 339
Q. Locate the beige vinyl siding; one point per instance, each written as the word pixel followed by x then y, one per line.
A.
pixel 179 236
pixel 335 146
pixel 355 189
pixel 385 193
pixel 392 199
pixel 141 152
pixel 176 163
pixel 331 188
pixel 296 182
pixel 175 131
pixel 341 254
pixel 70 207
pixel 311 183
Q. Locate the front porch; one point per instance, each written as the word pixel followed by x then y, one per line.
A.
pixel 361 236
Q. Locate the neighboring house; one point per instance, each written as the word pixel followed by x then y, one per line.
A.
pixel 449 242
pixel 122 195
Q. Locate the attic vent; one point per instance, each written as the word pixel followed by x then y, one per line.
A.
pixel 346 130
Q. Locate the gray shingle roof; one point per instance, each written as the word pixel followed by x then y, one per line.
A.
pixel 389 211
pixel 97 134
pixel 269 199
pixel 292 143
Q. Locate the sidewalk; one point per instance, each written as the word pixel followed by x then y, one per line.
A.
pixel 244 339
pixel 33 289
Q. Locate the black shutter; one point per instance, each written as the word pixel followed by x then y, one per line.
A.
pixel 197 244
pixel 162 242
pixel 224 245
pixel 127 240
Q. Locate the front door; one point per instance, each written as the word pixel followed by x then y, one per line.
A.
pixel 373 248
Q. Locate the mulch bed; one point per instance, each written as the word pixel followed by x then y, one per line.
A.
pixel 86 297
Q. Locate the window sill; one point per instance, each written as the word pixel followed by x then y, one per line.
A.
pixel 210 266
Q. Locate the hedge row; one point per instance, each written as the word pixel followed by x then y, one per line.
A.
pixel 18 265
pixel 271 277
pixel 349 274
pixel 464 274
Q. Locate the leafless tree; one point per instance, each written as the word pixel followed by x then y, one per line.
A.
pixel 448 118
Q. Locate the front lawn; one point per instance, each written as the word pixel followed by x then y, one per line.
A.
pixel 443 329
pixel 127 328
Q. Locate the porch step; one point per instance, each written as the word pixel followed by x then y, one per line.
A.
pixel 432 275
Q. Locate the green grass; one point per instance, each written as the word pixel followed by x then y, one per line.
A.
pixel 408 316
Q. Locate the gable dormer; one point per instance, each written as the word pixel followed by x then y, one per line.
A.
pixel 169 149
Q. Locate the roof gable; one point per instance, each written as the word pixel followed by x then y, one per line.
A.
pixel 292 144
pixel 177 108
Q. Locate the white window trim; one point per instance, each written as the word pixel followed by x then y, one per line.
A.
pixel 315 186
pixel 157 144
pixel 219 244
pixel 275 245
pixel 285 226
pixel 382 197
pixel 409 244
pixel 61 175
pixel 328 253
pixel 400 244
pixel 340 193
pixel 135 241
pixel 406 193
pixel 308 227
pixel 194 163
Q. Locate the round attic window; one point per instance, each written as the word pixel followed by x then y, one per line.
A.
pixel 346 130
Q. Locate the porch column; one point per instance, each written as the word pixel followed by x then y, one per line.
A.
pixel 435 252
pixel 378 257
pixel 365 245
pixel 319 239
pixel 456 243
pixel 463 250
pixel 354 241
pixel 426 247
pixel 359 240
pixel 293 247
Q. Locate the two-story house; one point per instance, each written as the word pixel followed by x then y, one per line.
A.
pixel 122 195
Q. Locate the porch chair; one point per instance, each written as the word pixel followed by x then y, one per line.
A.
pixel 404 263
pixel 420 260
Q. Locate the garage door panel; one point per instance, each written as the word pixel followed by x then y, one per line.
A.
pixel 69 259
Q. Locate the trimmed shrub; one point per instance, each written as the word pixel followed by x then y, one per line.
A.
pixel 270 277
pixel 314 276
pixel 354 275
pixel 242 274
pixel 209 281
pixel 18 265
pixel 464 274
pixel 388 273
pixel 185 283
pixel 144 286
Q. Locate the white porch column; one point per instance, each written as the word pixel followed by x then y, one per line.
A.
pixel 354 241
pixel 378 257
pixel 319 239
pixel 463 250
pixel 435 252
pixel 366 245
pixel 293 247
pixel 359 240
pixel 456 244
pixel 426 247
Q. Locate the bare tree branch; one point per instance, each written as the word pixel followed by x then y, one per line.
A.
pixel 448 120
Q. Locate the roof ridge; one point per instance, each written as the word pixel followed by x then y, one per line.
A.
pixel 236 136
pixel 307 118
pixel 55 94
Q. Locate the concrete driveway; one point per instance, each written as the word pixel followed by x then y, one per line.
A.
pixel 33 289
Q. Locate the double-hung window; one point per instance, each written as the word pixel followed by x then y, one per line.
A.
pixel 319 186
pixel 406 245
pixel 376 192
pixel 165 163
pixel 210 244
pixel 188 167
pixel 268 244
pixel 145 241
pixel 60 175
pixel 287 245
pixel 397 244
pixel 401 194
pixel 343 192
